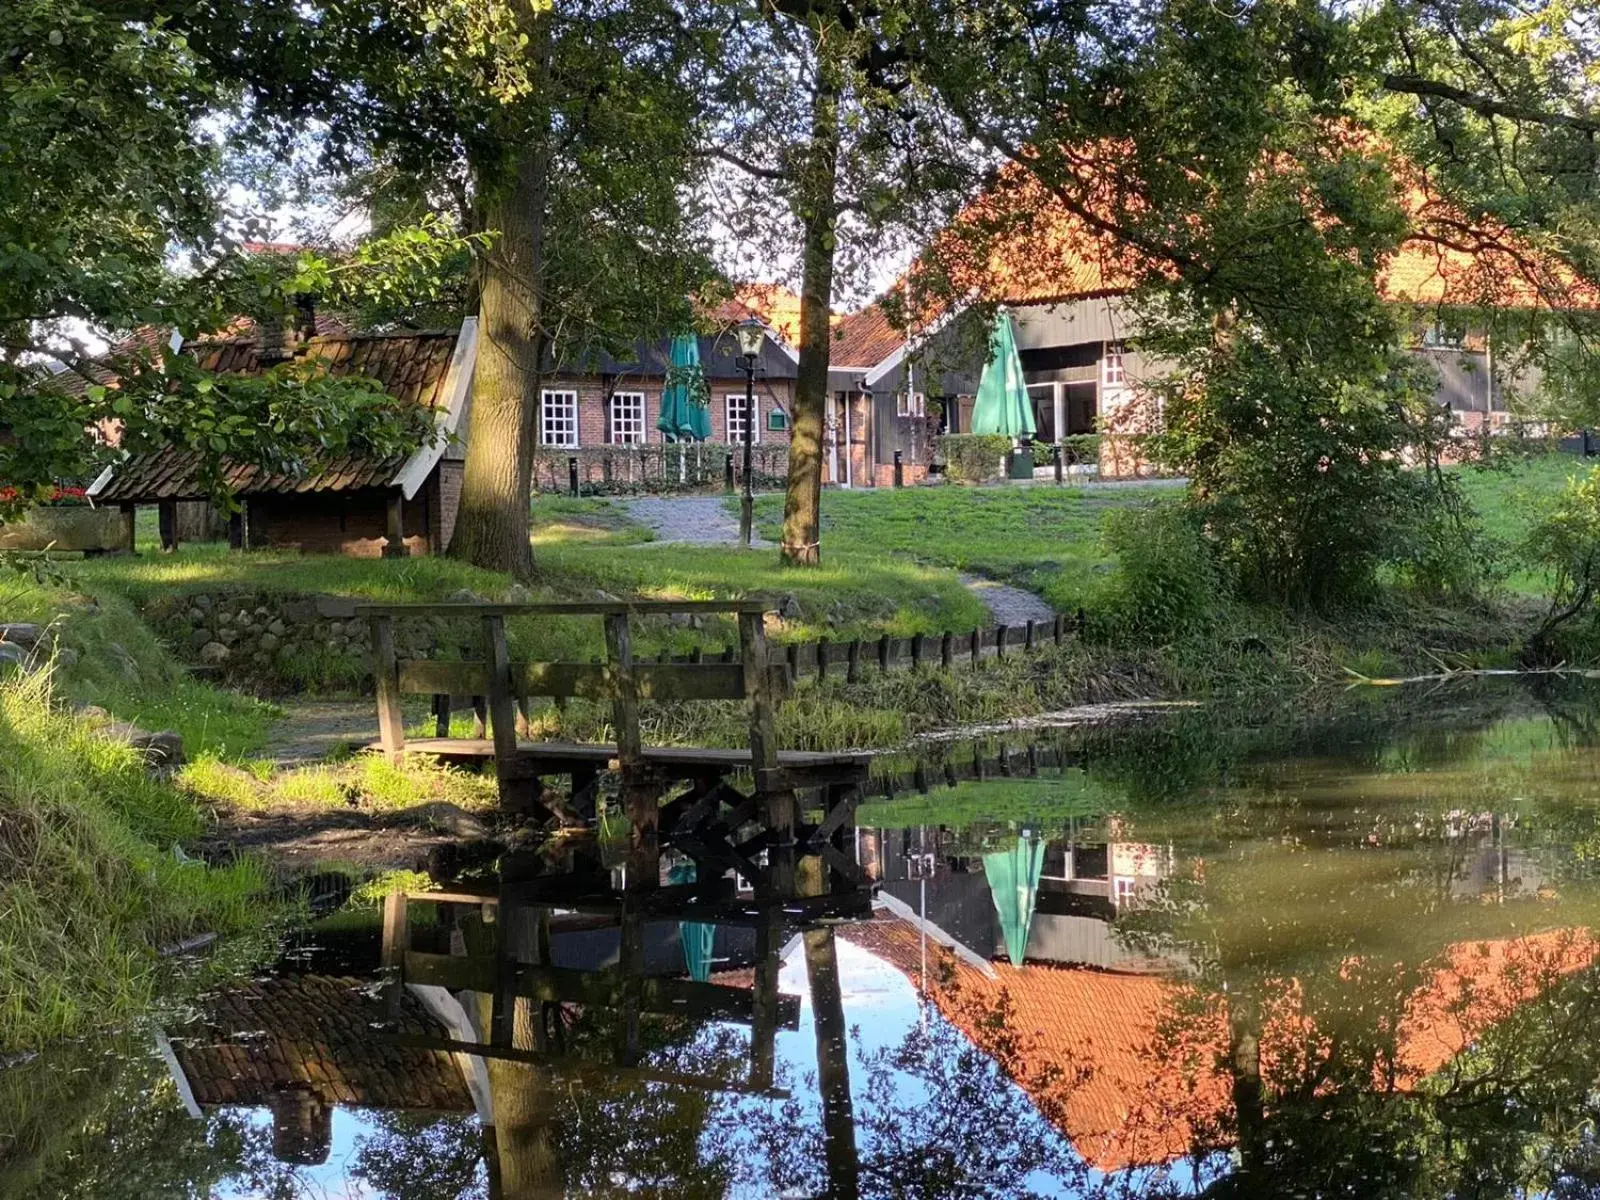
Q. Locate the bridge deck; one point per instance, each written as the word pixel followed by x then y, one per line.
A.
pixel 602 754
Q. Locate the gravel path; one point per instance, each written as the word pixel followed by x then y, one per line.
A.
pixel 691 520
pixel 1008 605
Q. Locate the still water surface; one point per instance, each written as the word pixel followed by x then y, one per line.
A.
pixel 1353 956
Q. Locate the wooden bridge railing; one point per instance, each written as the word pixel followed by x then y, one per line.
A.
pixel 620 678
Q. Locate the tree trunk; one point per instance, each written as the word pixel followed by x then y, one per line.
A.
pixel 802 519
pixel 833 1048
pixel 497 486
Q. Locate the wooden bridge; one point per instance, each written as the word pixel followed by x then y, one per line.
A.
pixel 707 783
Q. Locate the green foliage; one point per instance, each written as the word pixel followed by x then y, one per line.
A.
pixel 90 882
pixel 974 457
pixel 1565 544
pixel 1166 583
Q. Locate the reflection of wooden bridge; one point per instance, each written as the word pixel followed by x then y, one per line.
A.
pixel 523 992
pixel 713 798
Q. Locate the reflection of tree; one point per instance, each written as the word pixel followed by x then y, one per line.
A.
pixel 409 1156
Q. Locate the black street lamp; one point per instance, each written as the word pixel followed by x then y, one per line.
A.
pixel 751 334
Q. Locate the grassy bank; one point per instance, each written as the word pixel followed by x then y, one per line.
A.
pixel 92 883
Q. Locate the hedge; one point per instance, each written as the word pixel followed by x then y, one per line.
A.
pixel 974 457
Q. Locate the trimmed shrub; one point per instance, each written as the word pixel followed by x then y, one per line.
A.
pixel 974 457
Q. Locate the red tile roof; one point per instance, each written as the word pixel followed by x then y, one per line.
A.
pixel 864 339
pixel 770 303
pixel 413 367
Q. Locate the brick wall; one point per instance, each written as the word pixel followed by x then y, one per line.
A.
pixel 445 502
pixel 592 423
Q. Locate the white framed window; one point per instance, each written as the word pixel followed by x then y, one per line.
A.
pixel 625 420
pixel 733 411
pixel 911 404
pixel 558 418
pixel 1124 889
pixel 1112 370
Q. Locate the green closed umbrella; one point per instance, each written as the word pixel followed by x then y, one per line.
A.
pixel 697 937
pixel 685 412
pixel 1003 406
pixel 1014 883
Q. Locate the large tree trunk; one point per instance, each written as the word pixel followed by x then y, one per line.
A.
pixel 802 519
pixel 496 489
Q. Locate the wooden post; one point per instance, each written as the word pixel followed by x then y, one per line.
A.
pixel 1000 632
pixel 791 655
pixel 1059 628
pixel 502 704
pixel 394 949
pixel 129 519
pixel 947 650
pixel 394 542
pixel 764 1019
pixel 822 658
pixel 977 646
pixel 625 701
pixel 852 661
pixel 441 715
pixel 167 523
pixel 386 681
pixel 1027 636
pixel 916 651
pixel 885 647
pixel 235 528
pixel 480 718
pixel 758 692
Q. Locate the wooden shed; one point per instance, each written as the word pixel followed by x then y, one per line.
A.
pixel 354 506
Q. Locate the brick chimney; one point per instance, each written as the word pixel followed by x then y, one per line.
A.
pixel 284 336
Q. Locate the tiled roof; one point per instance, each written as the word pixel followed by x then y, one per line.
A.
pixel 770 303
pixel 1039 252
pixel 864 339
pixel 1108 1059
pixel 411 366
pixel 313 1032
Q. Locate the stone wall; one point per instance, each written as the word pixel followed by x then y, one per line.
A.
pixel 283 640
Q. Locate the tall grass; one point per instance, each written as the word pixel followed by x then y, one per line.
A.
pixel 92 882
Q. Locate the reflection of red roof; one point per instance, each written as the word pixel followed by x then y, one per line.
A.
pixel 1131 1067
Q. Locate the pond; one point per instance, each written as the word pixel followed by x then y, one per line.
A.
pixel 1351 954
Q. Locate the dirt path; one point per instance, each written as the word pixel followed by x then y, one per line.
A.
pixel 1008 605
pixel 688 520
pixel 311 730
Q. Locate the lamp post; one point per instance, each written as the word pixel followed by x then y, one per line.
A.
pixel 751 334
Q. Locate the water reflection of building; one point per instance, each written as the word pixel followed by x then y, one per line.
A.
pixel 1079 884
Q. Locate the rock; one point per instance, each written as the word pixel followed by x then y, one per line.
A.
pixel 277 628
pixel 263 611
pixel 214 654
pixel 162 751
pixel 195 616
pixel 20 634
pixel 228 635
pixel 93 712
pixel 444 817
pixel 268 643
pixel 518 594
pixel 200 637
pixel 66 657
pixel 203 602
pixel 605 597
pixel 224 619
pixel 341 607
pixel 463 596
pixel 299 610
pixel 12 655
pixel 335 629
pixel 789 608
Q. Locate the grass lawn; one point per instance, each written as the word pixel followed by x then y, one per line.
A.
pixel 1511 499
pixel 1045 539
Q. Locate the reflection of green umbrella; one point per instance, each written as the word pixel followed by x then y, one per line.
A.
pixel 685 413
pixel 697 937
pixel 1003 406
pixel 1014 883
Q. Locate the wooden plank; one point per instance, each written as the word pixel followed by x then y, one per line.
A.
pixel 578 1069
pixel 657 994
pixel 502 703
pixel 394 949
pixel 391 721
pixel 755 604
pixel 602 754
pixel 655 681
pixel 758 690
pixel 852 658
